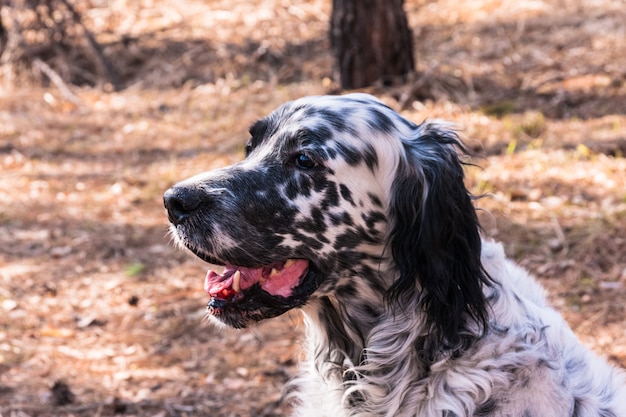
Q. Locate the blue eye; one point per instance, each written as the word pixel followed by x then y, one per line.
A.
pixel 303 161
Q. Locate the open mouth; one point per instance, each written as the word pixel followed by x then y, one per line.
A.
pixel 278 278
pixel 241 295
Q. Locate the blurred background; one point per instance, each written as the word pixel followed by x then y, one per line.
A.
pixel 105 104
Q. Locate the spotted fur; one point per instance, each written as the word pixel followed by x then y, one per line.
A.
pixel 408 311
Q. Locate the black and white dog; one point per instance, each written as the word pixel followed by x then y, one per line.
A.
pixel 360 218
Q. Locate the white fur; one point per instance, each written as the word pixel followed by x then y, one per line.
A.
pixel 458 384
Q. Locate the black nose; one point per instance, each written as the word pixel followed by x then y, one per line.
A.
pixel 180 203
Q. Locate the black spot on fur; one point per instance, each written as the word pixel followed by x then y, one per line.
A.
pixel 372 218
pixel 322 238
pixel 375 200
pixel 337 120
pixel 339 219
pixel 315 223
pixel 318 219
pixel 380 121
pixel 351 155
pixel 335 219
pixel 352 238
pixel 320 182
pixel 308 243
pixel 319 134
pixel 370 157
pixel 331 197
pixel 346 291
pixel 346 194
pixel 348 240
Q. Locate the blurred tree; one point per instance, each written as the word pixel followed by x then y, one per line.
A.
pixel 371 42
pixel 49 36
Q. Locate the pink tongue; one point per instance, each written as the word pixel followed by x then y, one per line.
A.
pixel 286 279
pixel 215 283
pixel 280 281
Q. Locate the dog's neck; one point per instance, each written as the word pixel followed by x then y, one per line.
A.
pixel 356 349
pixel 337 330
pixel 351 320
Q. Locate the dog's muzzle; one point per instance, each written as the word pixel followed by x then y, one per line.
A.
pixel 243 293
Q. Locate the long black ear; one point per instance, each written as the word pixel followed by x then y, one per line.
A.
pixel 434 239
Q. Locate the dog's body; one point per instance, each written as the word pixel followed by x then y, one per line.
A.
pixel 360 218
pixel 529 364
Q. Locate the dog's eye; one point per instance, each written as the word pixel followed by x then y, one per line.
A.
pixel 303 161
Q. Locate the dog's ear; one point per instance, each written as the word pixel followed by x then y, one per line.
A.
pixel 434 239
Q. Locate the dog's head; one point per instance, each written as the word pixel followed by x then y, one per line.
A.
pixel 332 190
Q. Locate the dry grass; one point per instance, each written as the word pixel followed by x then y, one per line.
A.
pixel 94 298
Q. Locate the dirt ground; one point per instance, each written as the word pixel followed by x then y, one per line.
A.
pixel 100 315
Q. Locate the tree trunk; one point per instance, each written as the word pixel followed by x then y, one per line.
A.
pixel 371 42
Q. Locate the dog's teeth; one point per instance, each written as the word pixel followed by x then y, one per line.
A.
pixel 237 281
pixel 273 272
pixel 289 263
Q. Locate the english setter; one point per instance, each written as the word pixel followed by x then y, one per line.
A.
pixel 361 219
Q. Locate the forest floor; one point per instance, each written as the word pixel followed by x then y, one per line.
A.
pixel 100 315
